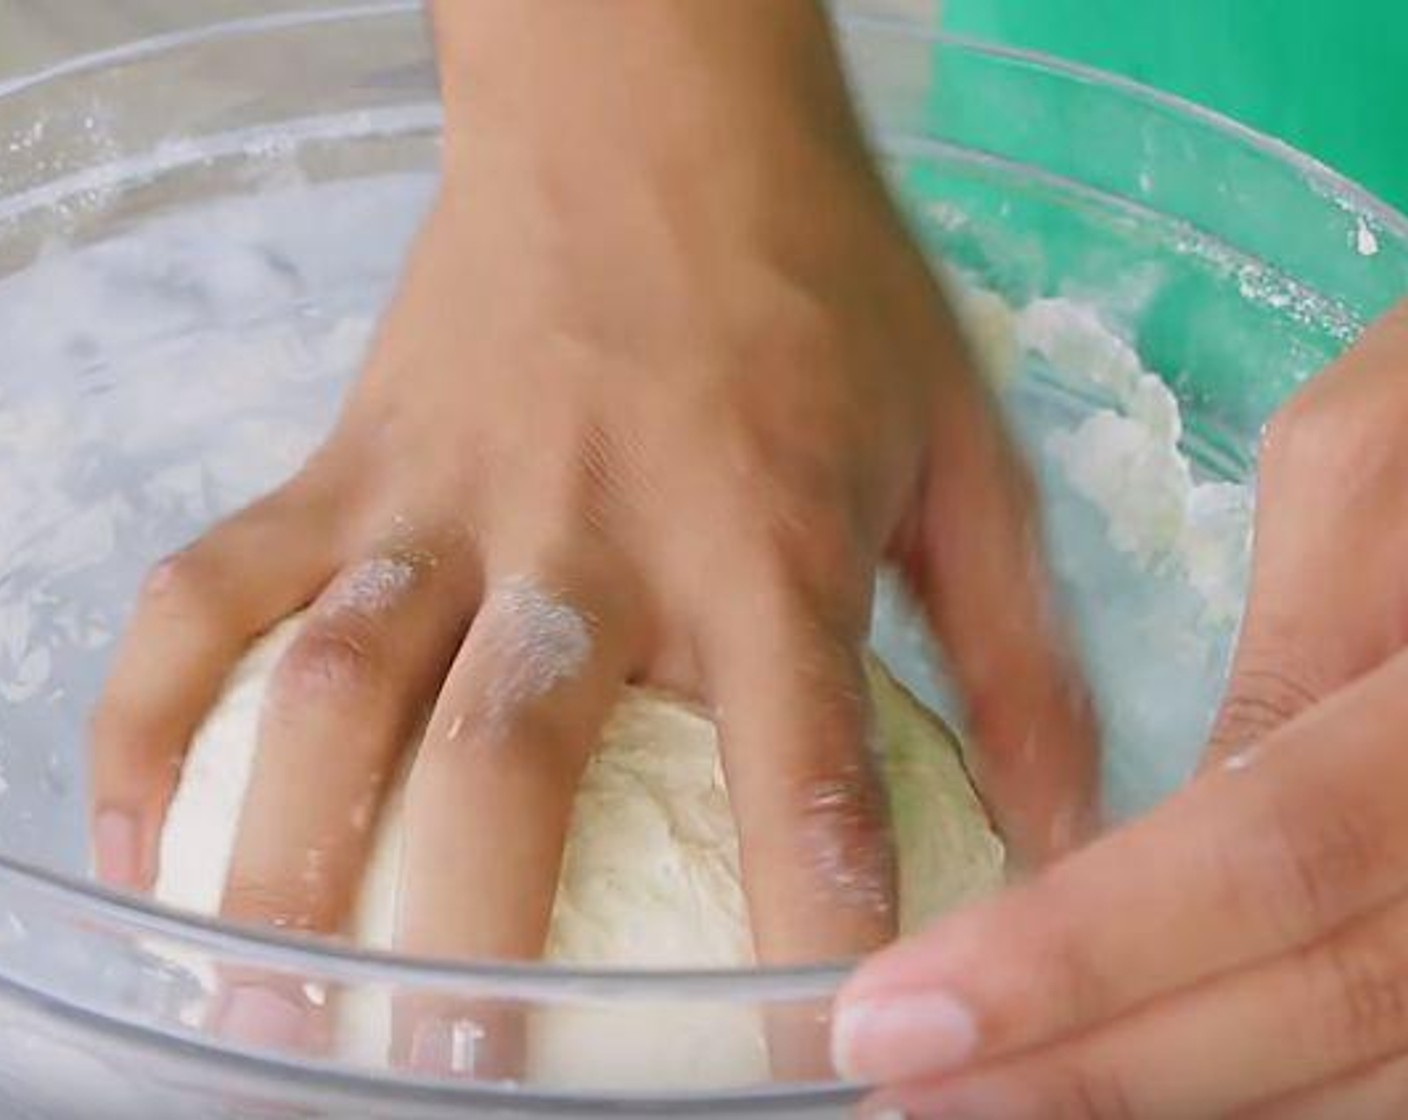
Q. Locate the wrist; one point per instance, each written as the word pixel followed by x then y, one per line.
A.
pixel 586 82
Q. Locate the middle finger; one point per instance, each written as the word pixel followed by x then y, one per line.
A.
pixel 490 797
pixel 345 699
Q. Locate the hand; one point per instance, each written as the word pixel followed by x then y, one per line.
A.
pixel 664 382
pixel 1329 592
pixel 1244 948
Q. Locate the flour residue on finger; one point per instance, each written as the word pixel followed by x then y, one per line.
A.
pixel 376 585
pixel 539 642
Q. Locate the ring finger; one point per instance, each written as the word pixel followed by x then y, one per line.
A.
pixel 345 699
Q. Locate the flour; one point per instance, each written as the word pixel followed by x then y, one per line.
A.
pixel 650 876
pixel 373 586
pixel 540 641
pixel 1128 461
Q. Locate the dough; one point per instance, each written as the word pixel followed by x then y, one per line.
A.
pixel 650 877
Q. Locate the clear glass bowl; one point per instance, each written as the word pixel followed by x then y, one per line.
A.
pixel 1229 260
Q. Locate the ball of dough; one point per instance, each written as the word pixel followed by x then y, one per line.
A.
pixel 650 876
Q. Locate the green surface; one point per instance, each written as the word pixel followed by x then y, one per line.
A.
pixel 1328 78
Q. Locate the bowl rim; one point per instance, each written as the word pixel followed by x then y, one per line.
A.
pixel 392 1086
pixel 768 984
pixel 1344 189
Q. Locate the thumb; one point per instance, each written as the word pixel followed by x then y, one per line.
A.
pixel 1328 599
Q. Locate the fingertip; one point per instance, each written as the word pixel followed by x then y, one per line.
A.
pixel 267 1014
pixel 133 773
pixel 480 1040
pixel 993 602
pixel 903 1037
pixel 1037 761
pixel 805 785
pixel 959 952
pixel 907 965
pixel 118 859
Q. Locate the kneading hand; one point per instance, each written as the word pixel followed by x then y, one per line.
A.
pixel 664 382
pixel 1244 948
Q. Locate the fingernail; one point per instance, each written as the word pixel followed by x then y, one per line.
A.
pixel 430 1048
pixel 446 1047
pixel 904 1038
pixel 115 849
pixel 260 1017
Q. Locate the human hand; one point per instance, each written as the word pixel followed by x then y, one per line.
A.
pixel 1329 591
pixel 664 381
pixel 1244 948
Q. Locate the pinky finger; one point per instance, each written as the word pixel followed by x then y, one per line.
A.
pixel 198 612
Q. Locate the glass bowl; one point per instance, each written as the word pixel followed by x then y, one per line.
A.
pixel 1233 264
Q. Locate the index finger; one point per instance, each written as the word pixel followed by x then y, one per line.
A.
pixel 1246 863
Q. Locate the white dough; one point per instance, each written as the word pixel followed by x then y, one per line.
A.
pixel 650 876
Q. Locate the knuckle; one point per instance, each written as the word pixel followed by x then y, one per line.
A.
pixel 845 828
pixel 1367 985
pixel 1258 703
pixel 330 656
pixel 847 804
pixel 1272 684
pixel 1065 965
pixel 1319 862
pixel 1084 987
pixel 184 582
pixel 800 331
pixel 1086 1093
